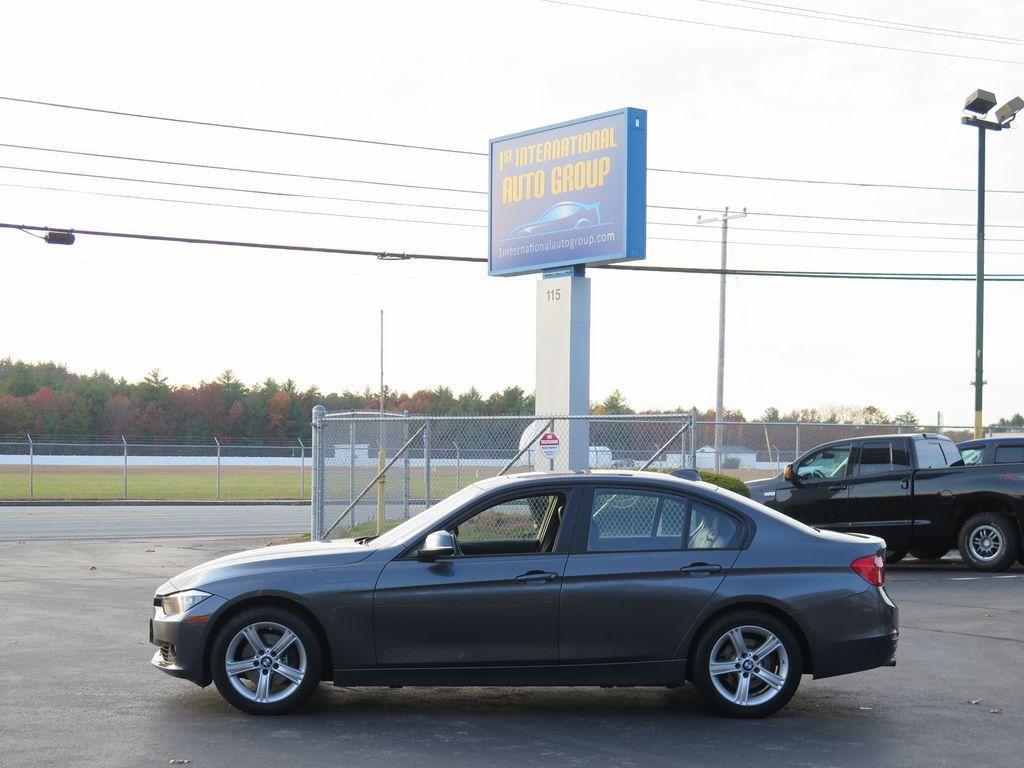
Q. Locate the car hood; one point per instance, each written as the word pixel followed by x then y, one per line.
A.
pixel 311 554
pixel 758 488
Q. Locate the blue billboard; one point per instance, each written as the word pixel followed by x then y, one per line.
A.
pixel 573 193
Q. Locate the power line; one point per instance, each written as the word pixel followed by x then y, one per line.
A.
pixel 218 188
pixel 895 26
pixel 994 38
pixel 841 218
pixel 835 247
pixel 939 276
pixel 181 201
pixel 873 185
pixel 851 234
pixel 239 127
pixel 237 169
pixel 789 35
pixel 239 206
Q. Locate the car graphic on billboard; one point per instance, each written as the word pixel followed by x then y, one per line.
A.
pixel 561 217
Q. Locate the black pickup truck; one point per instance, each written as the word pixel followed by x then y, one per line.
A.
pixel 912 490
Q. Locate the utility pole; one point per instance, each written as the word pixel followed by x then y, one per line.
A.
pixel 720 392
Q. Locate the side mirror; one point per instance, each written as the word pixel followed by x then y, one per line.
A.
pixel 790 474
pixel 438 545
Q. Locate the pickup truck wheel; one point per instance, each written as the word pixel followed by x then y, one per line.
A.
pixel 893 556
pixel 988 542
pixel 933 553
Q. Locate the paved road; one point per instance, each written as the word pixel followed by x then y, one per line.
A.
pixel 145 521
pixel 78 689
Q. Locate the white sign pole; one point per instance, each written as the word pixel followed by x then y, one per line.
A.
pixel 563 362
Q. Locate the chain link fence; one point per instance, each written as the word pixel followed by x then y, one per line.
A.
pixel 373 471
pixel 61 468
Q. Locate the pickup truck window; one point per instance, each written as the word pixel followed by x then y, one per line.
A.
pixel 1009 454
pixel 882 456
pixel 929 454
pixel 825 463
pixel 972 456
pixel 952 453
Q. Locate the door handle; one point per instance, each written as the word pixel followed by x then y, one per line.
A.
pixel 904 483
pixel 532 576
pixel 700 568
pixel 837 487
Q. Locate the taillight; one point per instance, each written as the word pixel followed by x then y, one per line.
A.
pixel 871 568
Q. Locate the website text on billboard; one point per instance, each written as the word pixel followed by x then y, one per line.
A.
pixel 573 193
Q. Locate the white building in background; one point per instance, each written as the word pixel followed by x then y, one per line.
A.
pixel 733 457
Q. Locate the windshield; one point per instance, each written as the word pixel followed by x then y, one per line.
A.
pixel 424 522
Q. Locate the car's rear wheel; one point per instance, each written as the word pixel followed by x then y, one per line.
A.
pixel 988 541
pixel 747 664
pixel 266 661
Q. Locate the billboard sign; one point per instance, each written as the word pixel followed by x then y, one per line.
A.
pixel 573 193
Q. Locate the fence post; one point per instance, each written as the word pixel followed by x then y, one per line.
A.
pixel 31 467
pixel 405 469
pixel 458 466
pixel 426 461
pixel 125 443
pixel 316 493
pixel 302 468
pixel 351 463
pixel 218 466
pixel 693 438
pixel 796 453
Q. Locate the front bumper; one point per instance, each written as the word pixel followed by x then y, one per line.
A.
pixel 853 634
pixel 181 640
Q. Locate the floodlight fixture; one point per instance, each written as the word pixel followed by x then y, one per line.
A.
pixel 1006 113
pixel 980 102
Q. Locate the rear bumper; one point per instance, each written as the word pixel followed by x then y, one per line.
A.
pixel 181 641
pixel 853 634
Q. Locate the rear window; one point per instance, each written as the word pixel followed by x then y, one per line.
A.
pixel 1009 454
pixel 929 454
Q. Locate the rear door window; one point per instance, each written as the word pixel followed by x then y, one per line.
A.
pixel 1009 454
pixel 929 454
pixel 882 456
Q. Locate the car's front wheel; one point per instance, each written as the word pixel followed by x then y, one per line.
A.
pixel 747 664
pixel 988 542
pixel 266 661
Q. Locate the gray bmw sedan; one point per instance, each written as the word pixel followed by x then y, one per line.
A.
pixel 600 578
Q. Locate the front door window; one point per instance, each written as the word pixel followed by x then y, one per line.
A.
pixel 828 463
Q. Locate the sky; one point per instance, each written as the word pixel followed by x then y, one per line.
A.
pixel 454 74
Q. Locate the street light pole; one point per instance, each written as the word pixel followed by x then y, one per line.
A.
pixel 979 317
pixel 720 388
pixel 981 103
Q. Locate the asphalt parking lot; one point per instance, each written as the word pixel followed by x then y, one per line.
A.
pixel 78 689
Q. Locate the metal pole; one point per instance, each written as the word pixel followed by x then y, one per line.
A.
pixel 796 453
pixel 218 466
pixel 351 460
pixel 458 466
pixel 979 381
pixel 302 468
pixel 405 469
pixel 720 387
pixel 382 456
pixel 693 438
pixel 426 460
pixel 316 510
pixel 31 467
pixel 125 442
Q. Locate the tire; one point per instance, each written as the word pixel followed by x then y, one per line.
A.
pixel 722 688
pixel 893 556
pixel 265 688
pixel 988 541
pixel 929 553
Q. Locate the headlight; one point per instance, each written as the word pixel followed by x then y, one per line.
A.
pixel 179 602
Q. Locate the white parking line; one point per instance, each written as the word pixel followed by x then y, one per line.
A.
pixel 983 578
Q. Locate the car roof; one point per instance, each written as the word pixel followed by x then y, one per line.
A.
pixel 1015 438
pixel 890 435
pixel 590 476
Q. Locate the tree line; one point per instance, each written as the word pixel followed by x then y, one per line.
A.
pixel 47 398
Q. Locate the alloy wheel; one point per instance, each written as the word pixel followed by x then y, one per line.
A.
pixel 986 542
pixel 265 662
pixel 749 665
